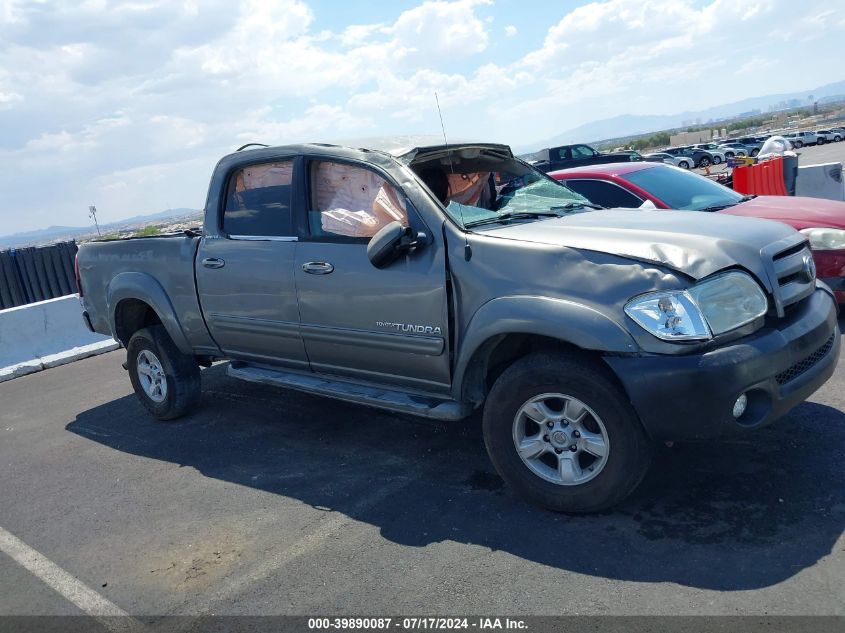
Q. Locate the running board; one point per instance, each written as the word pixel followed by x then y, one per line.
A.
pixel 428 407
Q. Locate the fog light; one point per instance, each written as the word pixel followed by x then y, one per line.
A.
pixel 740 406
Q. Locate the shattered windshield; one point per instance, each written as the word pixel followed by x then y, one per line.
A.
pixel 478 187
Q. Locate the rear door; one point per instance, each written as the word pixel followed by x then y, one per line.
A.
pixel 607 194
pixel 245 274
pixel 388 325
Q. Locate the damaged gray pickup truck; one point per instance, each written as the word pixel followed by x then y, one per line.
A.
pixel 439 280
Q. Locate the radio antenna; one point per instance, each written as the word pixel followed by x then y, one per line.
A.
pixel 443 128
pixel 467 247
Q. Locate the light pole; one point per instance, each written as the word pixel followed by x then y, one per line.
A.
pixel 92 213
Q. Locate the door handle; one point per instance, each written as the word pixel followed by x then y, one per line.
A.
pixel 317 268
pixel 213 262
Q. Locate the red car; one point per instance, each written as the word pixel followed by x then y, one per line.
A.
pixel 667 187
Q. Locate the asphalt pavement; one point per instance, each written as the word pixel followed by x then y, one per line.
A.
pixel 266 501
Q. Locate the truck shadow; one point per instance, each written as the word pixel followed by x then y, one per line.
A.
pixel 735 515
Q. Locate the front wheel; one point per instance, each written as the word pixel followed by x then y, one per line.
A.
pixel 797 144
pixel 729 154
pixel 716 160
pixel 562 434
pixel 704 162
pixel 166 381
pixel 837 138
pixel 820 141
pixel 754 152
pixel 684 164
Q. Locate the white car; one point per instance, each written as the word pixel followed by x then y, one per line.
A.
pixel 731 149
pixel 719 154
pixel 829 136
pixel 800 139
pixel 684 162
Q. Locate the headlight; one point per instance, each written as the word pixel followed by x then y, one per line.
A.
pixel 671 316
pixel 825 239
pixel 710 308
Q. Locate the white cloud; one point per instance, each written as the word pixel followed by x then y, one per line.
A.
pixel 437 30
pixel 127 92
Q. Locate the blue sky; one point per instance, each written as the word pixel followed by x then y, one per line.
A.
pixel 127 105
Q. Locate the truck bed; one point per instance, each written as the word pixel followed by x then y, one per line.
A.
pixel 166 261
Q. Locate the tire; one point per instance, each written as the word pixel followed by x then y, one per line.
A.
pixel 837 138
pixel 684 164
pixel 704 162
pixel 166 381
pixel 820 141
pixel 754 152
pixel 717 160
pixel 608 414
pixel 797 144
pixel 729 154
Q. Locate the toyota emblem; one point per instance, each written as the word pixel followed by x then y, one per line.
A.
pixel 809 268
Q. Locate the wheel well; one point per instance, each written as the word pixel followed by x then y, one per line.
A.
pixel 131 315
pixel 498 353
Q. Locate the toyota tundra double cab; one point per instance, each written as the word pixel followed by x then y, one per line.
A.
pixel 439 280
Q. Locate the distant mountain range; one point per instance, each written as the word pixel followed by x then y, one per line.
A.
pixel 60 233
pixel 633 124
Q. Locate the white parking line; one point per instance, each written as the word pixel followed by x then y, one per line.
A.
pixel 72 589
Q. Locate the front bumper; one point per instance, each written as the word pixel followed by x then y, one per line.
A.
pixel 692 396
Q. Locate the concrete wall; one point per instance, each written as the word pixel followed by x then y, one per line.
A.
pixel 821 181
pixel 46 334
pixel 691 138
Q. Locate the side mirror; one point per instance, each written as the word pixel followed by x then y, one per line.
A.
pixel 392 241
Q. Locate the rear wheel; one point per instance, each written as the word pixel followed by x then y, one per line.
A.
pixel 837 138
pixel 684 164
pixel 704 162
pixel 797 144
pixel 717 160
pixel 755 151
pixel 166 381
pixel 729 154
pixel 562 434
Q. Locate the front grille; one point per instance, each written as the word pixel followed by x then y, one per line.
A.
pixel 807 363
pixel 793 280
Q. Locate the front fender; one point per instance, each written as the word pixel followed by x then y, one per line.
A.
pixel 146 288
pixel 566 321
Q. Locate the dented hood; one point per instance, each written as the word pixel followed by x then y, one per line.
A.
pixel 695 244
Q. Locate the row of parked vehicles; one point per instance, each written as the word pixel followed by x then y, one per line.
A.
pixel 819 137
pixel 699 155
pixel 444 280
pixel 705 154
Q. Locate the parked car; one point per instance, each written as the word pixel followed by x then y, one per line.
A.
pixel 718 155
pixel 800 139
pixel 700 158
pixel 684 162
pixel 821 221
pixel 752 144
pixel 403 278
pixel 574 155
pixel 838 131
pixel 732 149
pixel 828 136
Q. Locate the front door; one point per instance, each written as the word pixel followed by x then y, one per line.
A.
pixel 245 275
pixel 385 325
